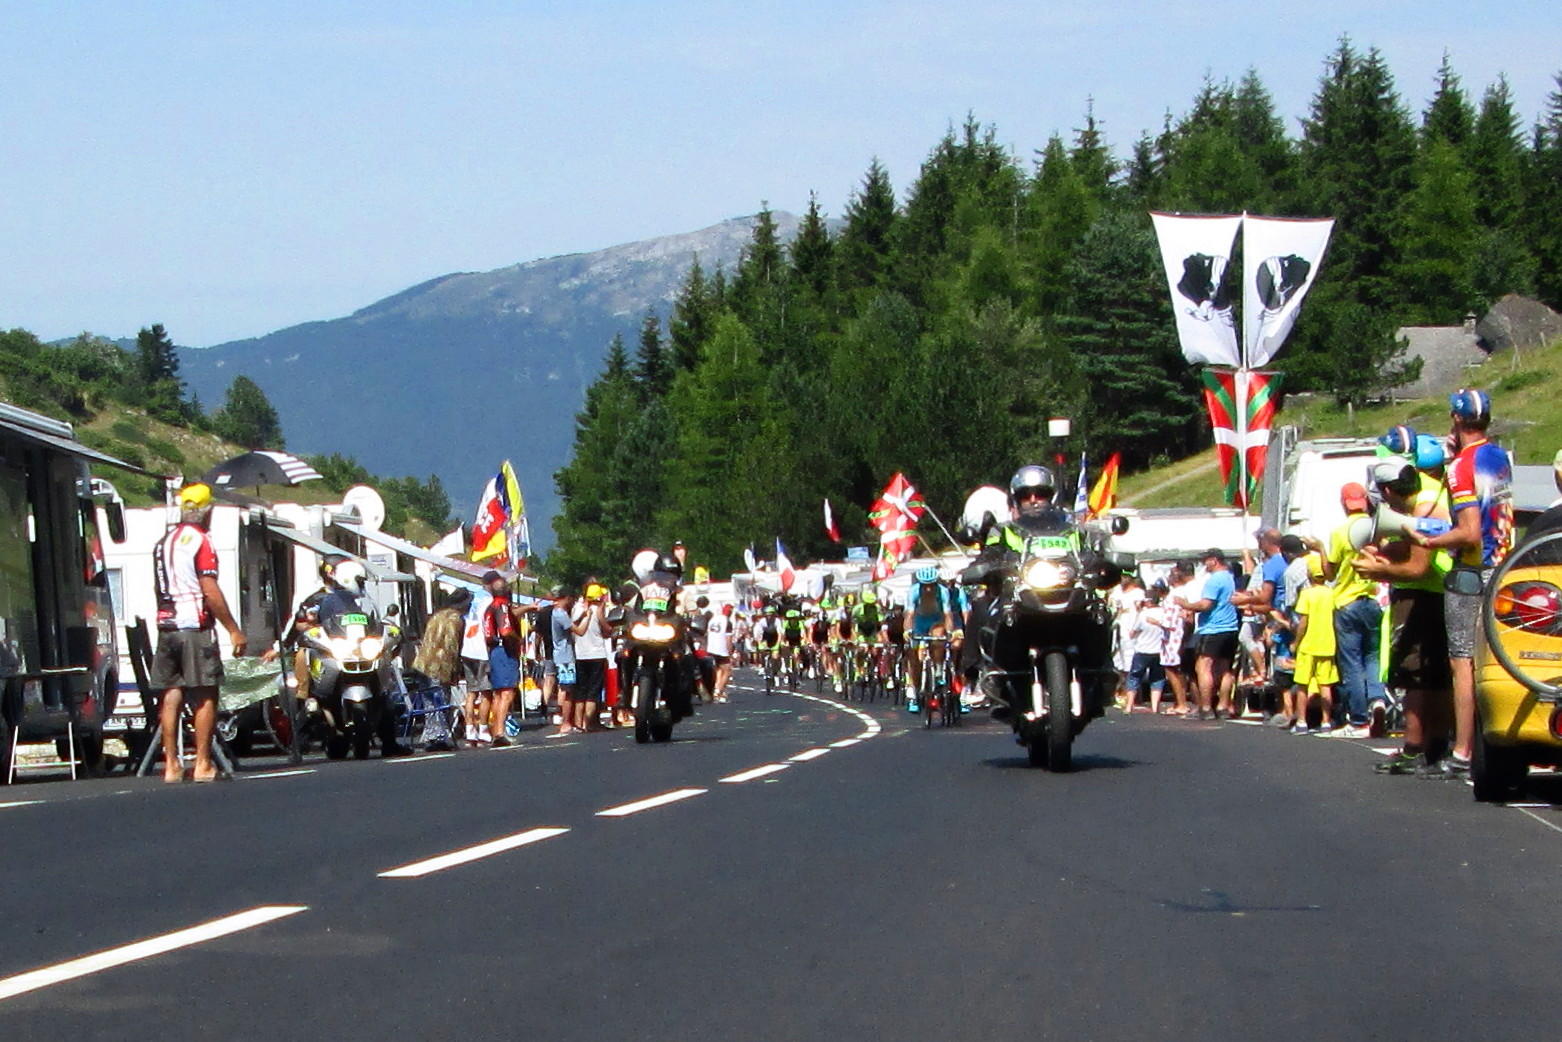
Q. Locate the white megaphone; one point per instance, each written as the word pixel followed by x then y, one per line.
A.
pixel 1389 522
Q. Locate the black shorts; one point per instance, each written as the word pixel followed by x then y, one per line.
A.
pixel 1418 641
pixel 186 659
pixel 1219 645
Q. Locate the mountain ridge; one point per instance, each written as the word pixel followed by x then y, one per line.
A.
pixel 409 384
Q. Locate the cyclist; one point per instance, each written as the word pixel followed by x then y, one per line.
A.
pixel 818 634
pixel 842 634
pixel 767 640
pixel 929 613
pixel 792 639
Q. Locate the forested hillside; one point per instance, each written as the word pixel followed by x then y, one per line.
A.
pixel 936 331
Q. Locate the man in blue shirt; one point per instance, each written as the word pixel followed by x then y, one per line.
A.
pixel 1216 633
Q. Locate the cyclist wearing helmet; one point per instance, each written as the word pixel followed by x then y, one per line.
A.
pixel 1480 488
pixel 767 634
pixel 1431 496
pixel 929 613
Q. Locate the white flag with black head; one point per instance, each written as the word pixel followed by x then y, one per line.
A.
pixel 1196 251
pixel 1280 260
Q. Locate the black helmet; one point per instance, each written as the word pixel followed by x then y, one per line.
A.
pixel 1032 478
pixel 668 563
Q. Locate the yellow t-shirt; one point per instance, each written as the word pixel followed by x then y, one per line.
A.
pixel 1348 586
pixel 1433 491
pixel 1317 603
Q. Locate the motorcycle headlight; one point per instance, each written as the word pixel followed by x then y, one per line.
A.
pixel 654 632
pixel 341 647
pixel 370 647
pixel 1048 575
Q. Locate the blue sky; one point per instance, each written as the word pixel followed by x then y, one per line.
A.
pixel 231 168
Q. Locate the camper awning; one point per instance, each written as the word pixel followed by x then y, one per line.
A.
pixel 320 546
pixel 75 448
pixel 418 553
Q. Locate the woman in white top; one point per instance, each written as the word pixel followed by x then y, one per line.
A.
pixel 718 645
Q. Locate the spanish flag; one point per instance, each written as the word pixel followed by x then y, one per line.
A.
pixel 1103 495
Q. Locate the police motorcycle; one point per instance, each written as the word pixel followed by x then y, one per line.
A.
pixel 1043 632
pixel 350 650
pixel 658 655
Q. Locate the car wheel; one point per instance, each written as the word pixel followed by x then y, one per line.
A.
pixel 1496 771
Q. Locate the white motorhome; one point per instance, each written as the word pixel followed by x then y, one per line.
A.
pixel 1156 539
pixel 268 562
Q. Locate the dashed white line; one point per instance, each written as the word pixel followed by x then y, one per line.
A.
pixel 845 743
pixel 278 774
pixel 625 809
pixel 32 980
pixel 755 772
pixel 19 803
pixel 473 853
pixel 421 759
pixel 808 754
pixel 1553 826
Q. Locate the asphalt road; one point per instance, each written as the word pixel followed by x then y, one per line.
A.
pixel 1187 881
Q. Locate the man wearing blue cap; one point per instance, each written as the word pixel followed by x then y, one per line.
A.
pixel 1480 487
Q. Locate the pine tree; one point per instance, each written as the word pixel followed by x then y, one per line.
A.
pixel 1496 159
pixel 1437 239
pixel 653 369
pixel 694 314
pixel 811 253
pixel 1356 154
pixel 1090 156
pixel 593 535
pixel 1260 132
pixel 247 418
pixel 1060 209
pixel 1142 400
pixel 863 250
pixel 157 370
pixel 1449 116
pixel 1544 200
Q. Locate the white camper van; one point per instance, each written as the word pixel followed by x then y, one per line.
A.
pixel 1302 484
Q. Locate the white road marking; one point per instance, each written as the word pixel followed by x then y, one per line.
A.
pixel 421 759
pixel 845 743
pixel 625 809
pixel 755 772
pixel 22 983
pixel 474 853
pixel 1553 826
pixel 278 774
pixel 1248 723
pixel 19 803
pixel 808 754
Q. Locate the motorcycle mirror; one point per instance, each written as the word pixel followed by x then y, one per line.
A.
pixel 614 615
pixel 1119 525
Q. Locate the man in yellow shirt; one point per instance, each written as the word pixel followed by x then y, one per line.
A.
pixel 1358 621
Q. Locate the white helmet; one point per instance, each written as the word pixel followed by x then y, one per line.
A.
pixel 350 575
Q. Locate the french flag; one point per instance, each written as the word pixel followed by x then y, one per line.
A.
pixel 784 567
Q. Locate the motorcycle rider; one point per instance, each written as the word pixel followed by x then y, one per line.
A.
pixel 346 586
pixel 1032 511
pixel 668 572
pixel 308 615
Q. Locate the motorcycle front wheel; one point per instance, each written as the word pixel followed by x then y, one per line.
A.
pixel 1060 709
pixel 645 698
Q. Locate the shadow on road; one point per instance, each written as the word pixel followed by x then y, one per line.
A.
pixel 1085 762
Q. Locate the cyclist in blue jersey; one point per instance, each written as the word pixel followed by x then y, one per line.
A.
pixel 929 613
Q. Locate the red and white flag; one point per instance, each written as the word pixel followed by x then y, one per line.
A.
pixel 830 528
pixel 784 568
pixel 898 506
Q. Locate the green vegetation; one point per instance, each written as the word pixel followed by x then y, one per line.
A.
pixel 936 333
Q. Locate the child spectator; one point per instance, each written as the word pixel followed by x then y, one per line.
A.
pixel 1316 671
pixel 1147 634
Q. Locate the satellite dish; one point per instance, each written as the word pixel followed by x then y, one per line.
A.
pixel 367 504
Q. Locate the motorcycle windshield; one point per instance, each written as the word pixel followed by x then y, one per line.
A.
pixel 1048 523
pixel 340 610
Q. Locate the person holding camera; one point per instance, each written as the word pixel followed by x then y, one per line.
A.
pixel 591 631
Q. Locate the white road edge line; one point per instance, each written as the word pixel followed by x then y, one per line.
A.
pixel 424 758
pixel 1553 826
pixel 474 853
pixel 278 774
pixel 808 754
pixel 19 803
pixel 845 743
pixel 10 987
pixel 625 809
pixel 755 772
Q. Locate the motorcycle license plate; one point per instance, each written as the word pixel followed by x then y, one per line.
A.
pixel 654 597
pixel 1044 543
pixel 355 619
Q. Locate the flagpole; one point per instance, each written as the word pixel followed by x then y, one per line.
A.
pixel 952 540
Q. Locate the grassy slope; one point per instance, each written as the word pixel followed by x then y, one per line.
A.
pixel 1525 389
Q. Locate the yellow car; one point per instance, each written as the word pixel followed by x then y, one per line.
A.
pixel 1518 670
